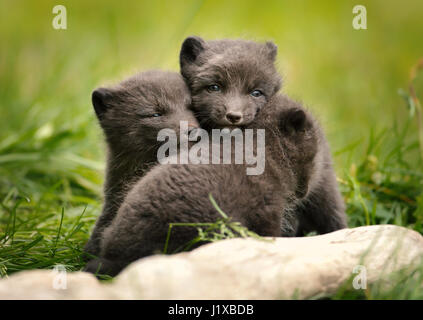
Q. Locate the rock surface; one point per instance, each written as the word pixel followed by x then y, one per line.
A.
pixel 279 268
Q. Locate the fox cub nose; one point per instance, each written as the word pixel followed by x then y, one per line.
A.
pixel 234 117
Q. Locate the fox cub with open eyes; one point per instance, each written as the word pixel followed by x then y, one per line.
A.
pixel 179 193
pixel 230 80
pixel 131 115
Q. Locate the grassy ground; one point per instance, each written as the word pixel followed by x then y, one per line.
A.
pixel 51 151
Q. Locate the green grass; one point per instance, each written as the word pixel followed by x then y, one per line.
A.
pixel 222 228
pixel 357 83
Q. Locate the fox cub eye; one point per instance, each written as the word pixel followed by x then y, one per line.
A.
pixel 155 115
pixel 213 87
pixel 256 93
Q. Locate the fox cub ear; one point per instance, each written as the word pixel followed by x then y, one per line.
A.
pixel 191 48
pixel 272 50
pixel 294 120
pixel 101 101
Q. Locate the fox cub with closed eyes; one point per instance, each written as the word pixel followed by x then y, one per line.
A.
pixel 233 83
pixel 179 193
pixel 131 114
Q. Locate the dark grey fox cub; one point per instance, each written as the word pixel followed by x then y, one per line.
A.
pixel 233 83
pixel 180 193
pixel 131 114
pixel 230 82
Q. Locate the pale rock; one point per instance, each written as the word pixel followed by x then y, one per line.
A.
pixel 277 268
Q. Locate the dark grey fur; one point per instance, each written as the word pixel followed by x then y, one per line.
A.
pixel 322 209
pixel 238 67
pixel 125 113
pixel 295 169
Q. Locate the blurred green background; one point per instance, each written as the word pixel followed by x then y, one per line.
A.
pixel 348 77
pixel 51 147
